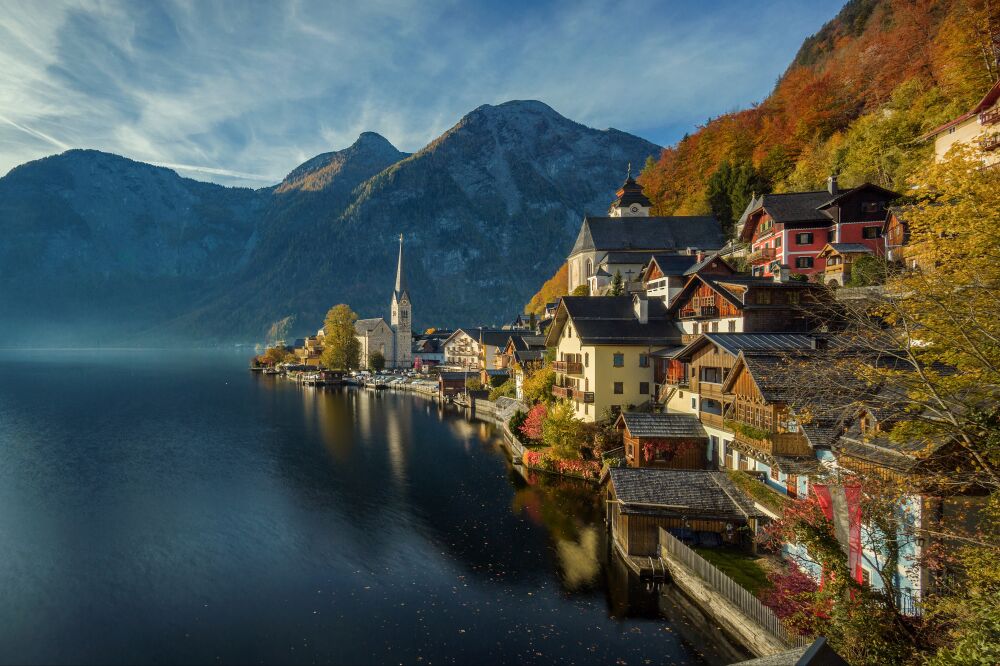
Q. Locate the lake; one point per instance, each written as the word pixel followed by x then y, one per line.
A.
pixel 172 507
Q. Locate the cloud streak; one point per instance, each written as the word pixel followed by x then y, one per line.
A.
pixel 242 92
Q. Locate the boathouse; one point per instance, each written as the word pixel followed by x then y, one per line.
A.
pixel 700 507
pixel 672 441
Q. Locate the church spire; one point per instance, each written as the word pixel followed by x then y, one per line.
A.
pixel 400 275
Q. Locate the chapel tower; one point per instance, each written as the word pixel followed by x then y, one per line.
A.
pixel 401 317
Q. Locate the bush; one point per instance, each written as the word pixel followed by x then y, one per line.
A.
pixel 516 421
pixel 582 290
pixel 473 384
pixel 504 390
pixel 533 422
pixel 866 271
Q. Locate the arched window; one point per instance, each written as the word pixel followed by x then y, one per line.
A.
pixel 590 268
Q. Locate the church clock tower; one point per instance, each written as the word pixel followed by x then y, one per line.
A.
pixel 631 201
pixel 401 317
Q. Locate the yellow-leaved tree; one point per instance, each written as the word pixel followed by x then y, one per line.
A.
pixel 341 349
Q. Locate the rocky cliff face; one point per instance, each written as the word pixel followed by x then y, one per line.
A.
pixel 97 248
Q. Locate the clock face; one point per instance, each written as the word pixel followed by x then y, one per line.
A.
pixel 634 209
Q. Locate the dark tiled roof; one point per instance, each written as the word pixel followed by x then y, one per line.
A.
pixel 664 426
pixel 850 247
pixel 675 264
pixel 653 234
pixel 734 343
pixel 631 193
pixel 625 258
pixel 611 320
pixel 494 338
pixel 690 492
pixel 530 355
pixel 367 325
pixel 797 206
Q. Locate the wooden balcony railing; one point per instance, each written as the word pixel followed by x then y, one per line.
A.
pixel 990 142
pixel 777 443
pixel 763 255
pixel 991 117
pixel 568 367
pixel 562 392
pixel 710 419
pixel 583 396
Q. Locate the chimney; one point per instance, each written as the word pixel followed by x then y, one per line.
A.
pixel 640 304
pixel 831 184
pixel 782 274
pixel 700 256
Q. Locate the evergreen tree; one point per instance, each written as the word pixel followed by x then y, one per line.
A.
pixel 617 285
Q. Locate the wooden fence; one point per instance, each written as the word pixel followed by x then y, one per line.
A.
pixel 736 594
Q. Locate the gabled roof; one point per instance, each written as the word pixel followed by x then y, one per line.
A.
pixel 688 492
pixel 844 248
pixel 734 343
pixel 493 338
pixel 648 234
pixel 662 426
pixel 607 320
pixel 673 264
pixel 612 258
pixel 985 103
pixel 843 194
pixel 630 193
pixel 363 326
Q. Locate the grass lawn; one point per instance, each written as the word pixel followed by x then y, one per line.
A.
pixel 741 567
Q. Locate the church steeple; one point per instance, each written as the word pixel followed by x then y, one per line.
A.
pixel 400 275
pixel 631 201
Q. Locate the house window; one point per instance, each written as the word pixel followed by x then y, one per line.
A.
pixel 644 388
pixel 804 262
pixel 586 409
pixel 619 388
pixel 805 238
pixel 871 232
pixel 715 327
pixel 694 403
pixel 777 242
pixel 643 361
pixel 764 297
pixel 774 473
pixel 792 297
pixel 732 325
pixel 619 360
pixel 871 206
pixel 586 360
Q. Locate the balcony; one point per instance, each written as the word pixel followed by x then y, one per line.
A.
pixel 775 444
pixel 990 142
pixel 582 396
pixel 710 419
pixel 991 117
pixel 562 392
pixel 762 256
pixel 701 312
pixel 568 367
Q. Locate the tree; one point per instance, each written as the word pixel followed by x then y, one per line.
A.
pixel 276 355
pixel 537 385
pixel 562 431
pixel 617 287
pixel 505 390
pixel 729 190
pixel 341 348
pixel 553 288
pixel 376 361
pixel 531 426
pixel 581 290
pixel 867 271
pixel 473 383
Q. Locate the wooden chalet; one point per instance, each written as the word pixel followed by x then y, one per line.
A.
pixel 451 384
pixel 698 506
pixel 839 258
pixel 665 275
pixel 671 441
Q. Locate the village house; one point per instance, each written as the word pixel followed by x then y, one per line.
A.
pixel 624 240
pixel 791 229
pixel 838 259
pixel 665 275
pixel 690 379
pixel 603 346
pixel 309 351
pixel 711 303
pixel 522 354
pixel 491 344
pixel 978 127
pixel 671 441
pixel 461 349
pixel 698 507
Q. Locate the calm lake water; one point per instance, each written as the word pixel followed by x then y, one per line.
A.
pixel 165 507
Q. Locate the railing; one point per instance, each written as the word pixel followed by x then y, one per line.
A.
pixel 991 142
pixel 583 396
pixel 688 313
pixel 714 420
pixel 739 596
pixel 777 443
pixel 568 367
pixel 762 255
pixel 562 392
pixel 708 311
pixel 991 117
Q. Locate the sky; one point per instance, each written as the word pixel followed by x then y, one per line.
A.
pixel 240 93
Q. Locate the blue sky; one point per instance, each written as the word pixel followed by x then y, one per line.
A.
pixel 242 92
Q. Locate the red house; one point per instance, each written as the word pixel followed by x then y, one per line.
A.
pixel 791 229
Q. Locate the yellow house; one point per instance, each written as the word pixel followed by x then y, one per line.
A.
pixel 603 348
pixel 980 127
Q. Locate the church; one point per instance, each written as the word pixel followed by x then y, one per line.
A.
pixel 393 340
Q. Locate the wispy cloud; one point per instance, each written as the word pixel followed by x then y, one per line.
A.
pixel 244 91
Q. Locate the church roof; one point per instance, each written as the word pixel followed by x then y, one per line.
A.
pixel 630 193
pixel 363 326
pixel 648 234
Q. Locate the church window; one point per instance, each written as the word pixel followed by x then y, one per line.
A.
pixel 590 268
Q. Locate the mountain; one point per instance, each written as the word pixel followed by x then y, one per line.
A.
pixel 99 249
pixel 855 99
